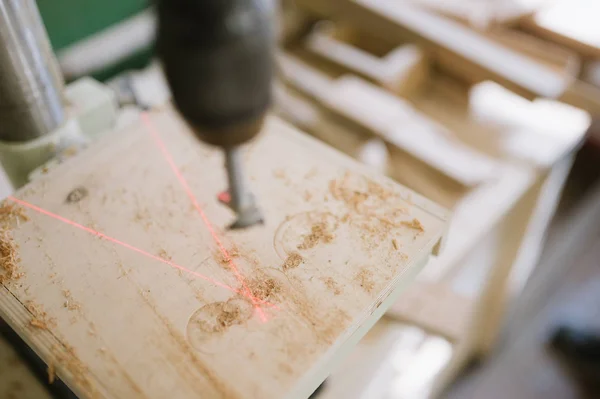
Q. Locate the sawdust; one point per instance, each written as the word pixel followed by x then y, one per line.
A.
pixel 363 195
pixel 331 285
pixel 414 224
pixel 374 210
pixel 39 318
pixel 395 244
pixel 70 304
pixel 319 232
pixel 403 256
pixel 365 279
pixel 10 212
pixel 66 358
pixel 11 215
pixel 9 258
pixel 264 289
pixel 222 259
pixel 293 261
pixel 218 317
pixel 51 373
pixel 164 255
pixel 279 174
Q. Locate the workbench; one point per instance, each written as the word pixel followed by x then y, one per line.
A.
pixel 118 271
pixel 363 80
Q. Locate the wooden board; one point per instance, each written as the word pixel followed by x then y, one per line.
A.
pixel 572 23
pixel 483 13
pixel 457 48
pixel 392 119
pixel 395 360
pixel 161 313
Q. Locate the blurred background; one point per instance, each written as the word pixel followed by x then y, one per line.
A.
pixel 490 108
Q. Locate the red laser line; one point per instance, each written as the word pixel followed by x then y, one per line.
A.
pixel 167 155
pixel 130 247
pixel 123 244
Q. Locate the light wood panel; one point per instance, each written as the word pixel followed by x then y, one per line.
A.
pixel 483 13
pixel 456 47
pixel 572 23
pixel 338 245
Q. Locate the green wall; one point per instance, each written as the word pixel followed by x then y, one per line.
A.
pixel 68 21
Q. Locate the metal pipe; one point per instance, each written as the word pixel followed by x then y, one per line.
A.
pixel 44 42
pixel 30 92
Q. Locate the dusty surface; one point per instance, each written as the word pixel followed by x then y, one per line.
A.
pixel 182 329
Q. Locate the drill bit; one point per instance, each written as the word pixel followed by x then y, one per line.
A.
pixel 241 200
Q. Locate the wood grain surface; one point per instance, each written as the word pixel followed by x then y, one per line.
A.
pixel 111 274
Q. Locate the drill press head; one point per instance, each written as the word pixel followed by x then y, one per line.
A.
pixel 218 57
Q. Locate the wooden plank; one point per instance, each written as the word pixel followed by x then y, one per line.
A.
pixel 116 323
pixel 319 123
pixel 393 120
pixel 482 13
pixel 499 122
pixel 435 308
pixel 571 23
pixel 474 217
pixel 394 360
pixel 459 49
pixel 403 70
pixel 16 381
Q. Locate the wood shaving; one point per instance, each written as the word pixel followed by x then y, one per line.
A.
pixel 37 323
pixel 51 373
pixel 293 261
pixel 10 212
pixel 395 244
pixel 9 258
pixel 318 233
pixel 40 318
pixel 414 224
pixel 72 305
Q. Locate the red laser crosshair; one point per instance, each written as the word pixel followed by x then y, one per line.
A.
pixel 184 184
pixel 130 247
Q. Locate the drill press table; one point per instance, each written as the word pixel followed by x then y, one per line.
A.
pixel 116 272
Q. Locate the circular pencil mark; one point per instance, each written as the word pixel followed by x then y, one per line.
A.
pixel 304 231
pixel 215 319
pixel 77 194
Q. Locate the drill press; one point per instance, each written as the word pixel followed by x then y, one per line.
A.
pixel 218 58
